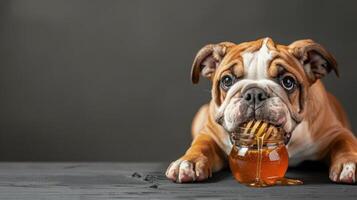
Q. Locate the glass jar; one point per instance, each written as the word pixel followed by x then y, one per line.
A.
pixel 258 161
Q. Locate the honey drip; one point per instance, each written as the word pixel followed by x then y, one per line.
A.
pixel 260 147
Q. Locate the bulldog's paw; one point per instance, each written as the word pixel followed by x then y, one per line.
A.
pixel 343 172
pixel 189 169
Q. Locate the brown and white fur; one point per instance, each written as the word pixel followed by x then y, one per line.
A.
pixel 313 117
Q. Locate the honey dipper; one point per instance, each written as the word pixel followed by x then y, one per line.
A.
pixel 258 128
pixel 255 129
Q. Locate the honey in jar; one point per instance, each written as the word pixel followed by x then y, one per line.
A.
pixel 259 157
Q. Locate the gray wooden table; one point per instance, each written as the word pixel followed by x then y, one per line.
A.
pixel 147 181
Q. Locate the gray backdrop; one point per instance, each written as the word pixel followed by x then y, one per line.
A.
pixel 109 80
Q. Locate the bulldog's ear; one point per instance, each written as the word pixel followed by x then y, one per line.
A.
pixel 316 60
pixel 208 59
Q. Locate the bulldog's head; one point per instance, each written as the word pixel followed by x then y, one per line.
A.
pixel 262 80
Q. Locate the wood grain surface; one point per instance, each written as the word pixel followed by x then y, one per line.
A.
pixel 147 181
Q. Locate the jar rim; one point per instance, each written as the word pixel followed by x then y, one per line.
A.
pixel 249 138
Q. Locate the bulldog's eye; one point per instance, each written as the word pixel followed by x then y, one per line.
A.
pixel 288 83
pixel 226 82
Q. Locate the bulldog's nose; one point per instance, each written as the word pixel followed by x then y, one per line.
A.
pixel 255 96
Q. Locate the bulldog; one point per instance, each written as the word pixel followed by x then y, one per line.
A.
pixel 274 83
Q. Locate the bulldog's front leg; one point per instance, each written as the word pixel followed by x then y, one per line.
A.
pixel 344 157
pixel 200 160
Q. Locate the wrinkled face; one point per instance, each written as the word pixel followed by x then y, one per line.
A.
pixel 262 81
